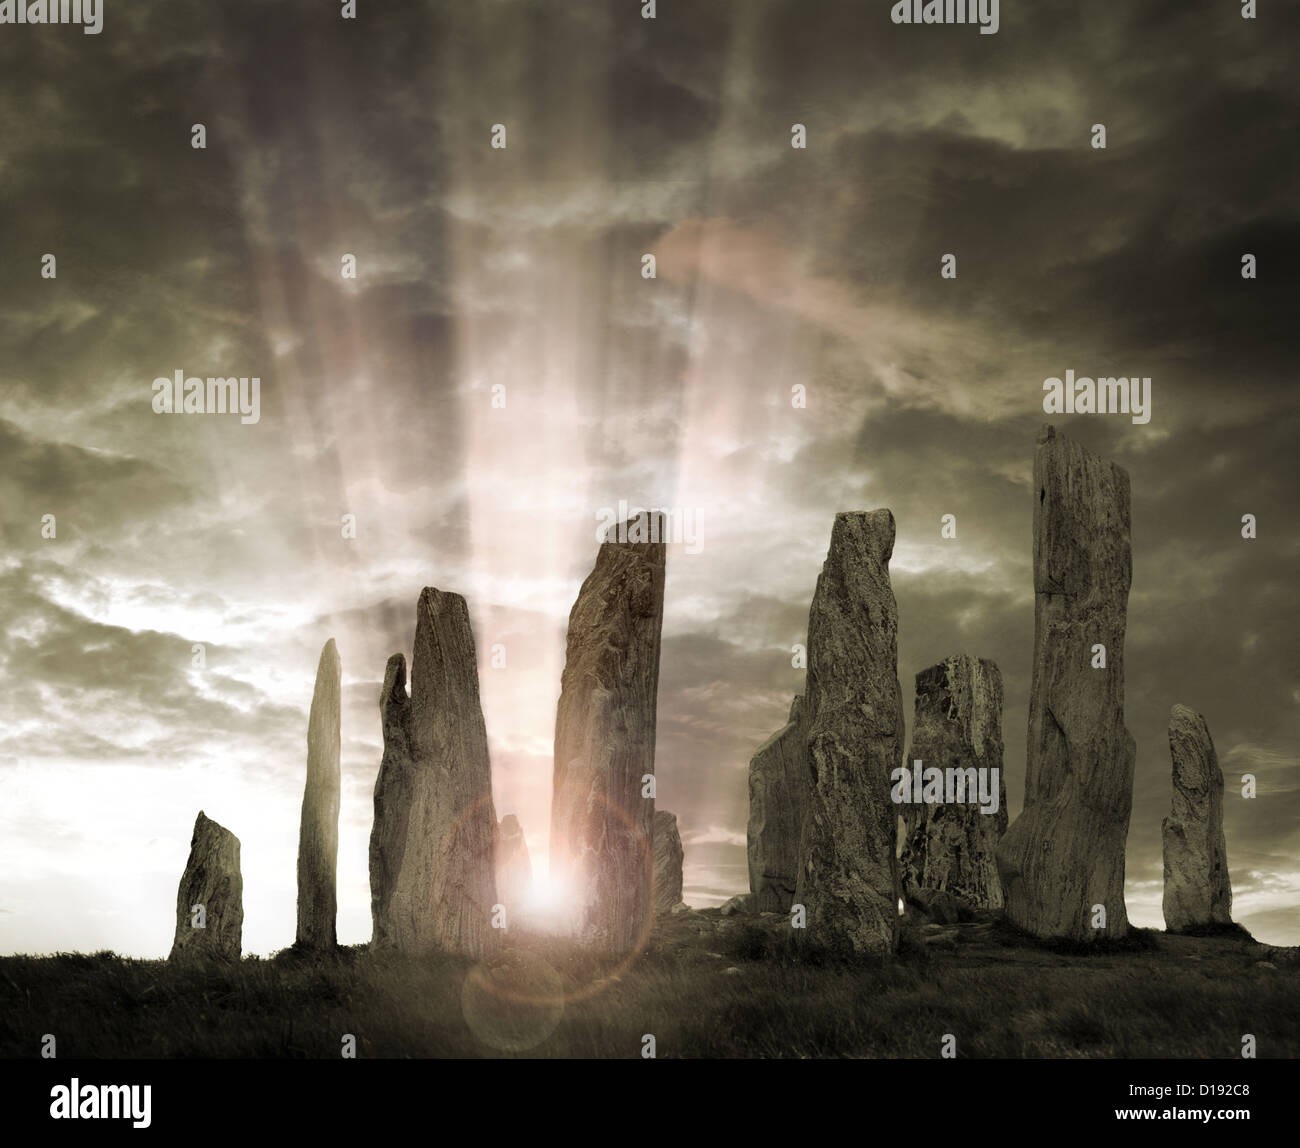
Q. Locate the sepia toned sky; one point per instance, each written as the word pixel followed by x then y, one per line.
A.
pixel 481 268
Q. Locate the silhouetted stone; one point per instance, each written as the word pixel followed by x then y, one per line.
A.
pixel 779 779
pixel 848 869
pixel 1197 889
pixel 210 899
pixel 318 833
pixel 605 743
pixel 431 848
pixel 668 853
pixel 514 868
pixel 951 848
pixel 1064 854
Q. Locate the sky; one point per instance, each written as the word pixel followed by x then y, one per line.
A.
pixel 500 374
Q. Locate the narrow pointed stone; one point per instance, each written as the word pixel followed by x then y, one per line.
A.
pixel 1198 892
pixel 605 742
pixel 433 883
pixel 951 848
pixel 669 855
pixel 1063 857
pixel 779 780
pixel 318 833
pixel 210 899
pixel 848 868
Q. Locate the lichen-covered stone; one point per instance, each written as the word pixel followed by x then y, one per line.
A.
pixel 601 824
pixel 1064 854
pixel 848 868
pixel 432 875
pixel 951 848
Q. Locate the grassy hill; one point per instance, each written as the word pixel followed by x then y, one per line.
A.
pixel 705 986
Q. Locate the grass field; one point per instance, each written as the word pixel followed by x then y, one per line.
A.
pixel 704 987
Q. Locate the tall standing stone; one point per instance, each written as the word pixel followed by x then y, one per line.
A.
pixel 1064 854
pixel 848 868
pixel 605 741
pixel 318 833
pixel 514 867
pixel 951 848
pixel 431 849
pixel 669 854
pixel 210 899
pixel 779 780
pixel 1197 890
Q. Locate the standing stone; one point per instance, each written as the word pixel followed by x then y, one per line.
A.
pixel 1064 854
pixel 1197 889
pixel 951 848
pixel 318 833
pixel 210 900
pixel 605 741
pixel 848 868
pixel 431 866
pixel 514 868
pixel 779 780
pixel 668 862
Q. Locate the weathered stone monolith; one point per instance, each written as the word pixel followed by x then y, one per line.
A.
pixel 601 818
pixel 1197 890
pixel 669 854
pixel 514 868
pixel 431 848
pixel 779 780
pixel 318 833
pixel 950 846
pixel 848 868
pixel 210 899
pixel 1062 860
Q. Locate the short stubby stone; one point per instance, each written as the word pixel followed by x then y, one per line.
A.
pixel 210 900
pixel 669 854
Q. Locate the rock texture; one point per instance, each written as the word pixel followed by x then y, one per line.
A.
pixel 1197 890
pixel 514 867
pixel 432 882
pixel 318 833
pixel 848 868
pixel 211 879
pixel 779 780
pixel 605 744
pixel 1065 852
pixel 668 855
pixel 952 848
